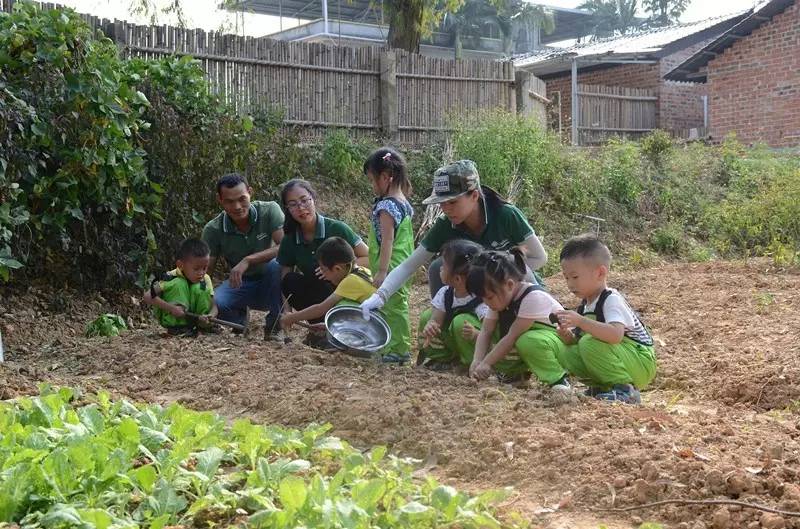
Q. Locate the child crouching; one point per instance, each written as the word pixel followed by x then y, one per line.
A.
pixel 611 350
pixel 449 328
pixel 337 264
pixel 184 292
pixel 520 311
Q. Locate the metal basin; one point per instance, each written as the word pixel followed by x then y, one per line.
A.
pixel 348 330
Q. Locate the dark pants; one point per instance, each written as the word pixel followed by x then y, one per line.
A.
pixel 302 291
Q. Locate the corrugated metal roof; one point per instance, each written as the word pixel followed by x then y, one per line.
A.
pixel 693 69
pixel 641 44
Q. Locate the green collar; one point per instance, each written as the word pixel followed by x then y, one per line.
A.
pixel 319 231
pixel 228 226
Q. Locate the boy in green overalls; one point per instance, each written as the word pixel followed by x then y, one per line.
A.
pixel 391 241
pixel 609 346
pixel 186 289
pixel 337 263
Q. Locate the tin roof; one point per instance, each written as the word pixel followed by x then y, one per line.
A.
pixel 641 45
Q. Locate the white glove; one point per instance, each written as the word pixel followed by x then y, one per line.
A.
pixel 374 302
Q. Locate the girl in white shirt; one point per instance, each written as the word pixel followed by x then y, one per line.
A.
pixel 517 336
pixel 447 331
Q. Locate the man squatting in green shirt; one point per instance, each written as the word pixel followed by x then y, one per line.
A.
pixel 247 235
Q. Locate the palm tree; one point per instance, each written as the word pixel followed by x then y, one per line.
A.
pixel 664 12
pixel 611 17
pixel 467 23
pixel 515 15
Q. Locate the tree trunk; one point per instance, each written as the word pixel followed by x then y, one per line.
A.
pixel 458 45
pixel 405 24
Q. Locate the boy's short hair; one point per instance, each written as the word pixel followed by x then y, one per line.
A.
pixel 586 246
pixel 335 251
pixel 193 248
pixel 230 180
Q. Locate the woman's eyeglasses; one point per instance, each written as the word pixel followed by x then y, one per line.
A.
pixel 302 203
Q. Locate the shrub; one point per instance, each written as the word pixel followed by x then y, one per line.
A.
pixel 621 169
pixel 668 240
pixel 503 146
pixel 656 147
pixel 74 117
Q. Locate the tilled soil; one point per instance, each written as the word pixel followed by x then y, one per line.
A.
pixel 720 421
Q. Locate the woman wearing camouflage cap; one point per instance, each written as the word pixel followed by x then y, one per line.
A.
pixel 471 211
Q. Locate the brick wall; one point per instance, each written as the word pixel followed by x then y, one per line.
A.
pixel 754 86
pixel 680 105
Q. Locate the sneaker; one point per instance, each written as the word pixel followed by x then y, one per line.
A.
pixel 182 331
pixel 594 391
pixel 506 378
pixel 245 323
pixel 273 331
pixel 434 365
pixel 400 359
pixel 561 390
pixel 625 393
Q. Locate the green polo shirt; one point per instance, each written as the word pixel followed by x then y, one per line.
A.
pixel 505 228
pixel 224 238
pixel 296 252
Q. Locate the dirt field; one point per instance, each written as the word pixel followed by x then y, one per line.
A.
pixel 720 421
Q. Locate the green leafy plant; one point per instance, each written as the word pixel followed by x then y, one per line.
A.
pixel 102 463
pixel 106 325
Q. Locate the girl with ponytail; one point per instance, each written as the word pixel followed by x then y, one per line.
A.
pixel 517 335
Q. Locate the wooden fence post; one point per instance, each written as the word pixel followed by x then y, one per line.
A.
pixel 522 84
pixel 388 94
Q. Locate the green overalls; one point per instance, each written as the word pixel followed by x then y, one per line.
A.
pixel 395 311
pixel 450 345
pixel 602 365
pixel 196 298
pixel 538 350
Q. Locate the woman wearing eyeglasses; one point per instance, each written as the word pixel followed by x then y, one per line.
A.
pixel 304 230
pixel 473 212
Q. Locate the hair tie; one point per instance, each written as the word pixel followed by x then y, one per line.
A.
pixel 387 157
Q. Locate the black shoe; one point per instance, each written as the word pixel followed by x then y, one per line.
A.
pixel 272 329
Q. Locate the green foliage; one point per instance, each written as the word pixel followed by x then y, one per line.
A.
pixel 657 146
pixel 341 159
pixel 621 169
pixel 668 240
pixel 511 150
pixel 73 117
pixel 102 463
pixel 106 325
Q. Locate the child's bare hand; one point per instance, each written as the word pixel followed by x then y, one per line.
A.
pixel 177 311
pixel 469 333
pixel 431 333
pixel 147 298
pixel 566 334
pixel 481 372
pixel 379 278
pixel 286 322
pixel 204 320
pixel 569 318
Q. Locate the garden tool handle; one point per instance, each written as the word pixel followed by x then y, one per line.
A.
pixel 218 321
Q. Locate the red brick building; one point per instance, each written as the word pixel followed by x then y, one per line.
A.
pixel 638 60
pixel 752 76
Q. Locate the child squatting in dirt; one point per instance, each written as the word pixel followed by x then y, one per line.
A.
pixel 520 312
pixel 183 298
pixel 608 345
pixel 449 328
pixel 337 263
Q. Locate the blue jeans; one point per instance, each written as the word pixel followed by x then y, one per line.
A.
pixel 263 293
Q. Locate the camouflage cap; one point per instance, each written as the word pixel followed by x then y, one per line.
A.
pixel 453 180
